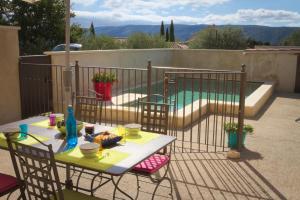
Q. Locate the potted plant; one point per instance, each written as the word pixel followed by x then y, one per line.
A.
pixel 102 84
pixel 232 129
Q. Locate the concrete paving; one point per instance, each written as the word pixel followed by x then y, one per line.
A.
pixel 269 167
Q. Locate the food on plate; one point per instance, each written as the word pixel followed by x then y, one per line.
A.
pixel 104 136
pixel 107 138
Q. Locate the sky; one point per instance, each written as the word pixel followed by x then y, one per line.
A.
pixel 125 12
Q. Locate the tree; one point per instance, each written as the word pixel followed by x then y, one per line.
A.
pixel 92 30
pixel 167 35
pixel 100 42
pixel 42 24
pixel 144 41
pixel 293 39
pixel 219 38
pixel 162 29
pixel 172 33
pixel 251 43
pixel 232 38
pixel 76 33
pixel 4 6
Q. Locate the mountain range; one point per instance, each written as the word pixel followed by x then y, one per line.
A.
pixel 273 35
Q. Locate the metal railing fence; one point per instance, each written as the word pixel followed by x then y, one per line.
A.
pixel 205 99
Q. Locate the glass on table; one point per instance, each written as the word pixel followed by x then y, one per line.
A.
pixel 52 119
pixel 89 129
pixel 99 154
pixel 122 132
pixel 23 131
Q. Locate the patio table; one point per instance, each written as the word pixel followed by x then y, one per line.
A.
pixel 119 160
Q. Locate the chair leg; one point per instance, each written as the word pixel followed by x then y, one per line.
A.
pixel 93 181
pixel 117 187
pixel 22 195
pixel 78 179
pixel 138 186
pixel 8 196
pixel 159 182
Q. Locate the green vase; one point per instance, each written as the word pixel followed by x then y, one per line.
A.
pixel 232 139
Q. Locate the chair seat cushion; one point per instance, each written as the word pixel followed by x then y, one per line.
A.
pixel 7 182
pixel 152 164
pixel 73 195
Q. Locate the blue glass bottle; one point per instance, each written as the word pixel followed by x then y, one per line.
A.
pixel 71 129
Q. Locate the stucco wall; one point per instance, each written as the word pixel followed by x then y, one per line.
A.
pixel 273 66
pixel 116 58
pixel 279 66
pixel 10 109
pixel 261 65
pixel 208 59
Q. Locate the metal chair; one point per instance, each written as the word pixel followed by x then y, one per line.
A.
pixel 155 118
pixel 9 184
pixel 37 168
pixel 154 114
pixel 86 109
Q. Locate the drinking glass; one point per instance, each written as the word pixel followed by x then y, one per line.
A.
pixel 122 132
pixel 52 119
pixel 89 129
pixel 99 153
pixel 23 131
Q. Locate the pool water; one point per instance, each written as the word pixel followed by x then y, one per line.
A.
pixel 189 91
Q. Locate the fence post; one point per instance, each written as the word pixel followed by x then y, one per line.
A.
pixel 76 77
pixel 166 82
pixel 241 106
pixel 149 81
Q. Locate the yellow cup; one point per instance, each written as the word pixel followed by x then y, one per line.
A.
pixel 122 132
pixel 100 149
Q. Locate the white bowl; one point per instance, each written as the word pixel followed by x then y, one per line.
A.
pixel 89 149
pixel 133 129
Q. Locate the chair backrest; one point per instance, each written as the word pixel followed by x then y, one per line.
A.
pixel 154 114
pixel 88 109
pixel 37 168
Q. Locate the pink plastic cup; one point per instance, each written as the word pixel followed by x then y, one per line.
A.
pixel 52 120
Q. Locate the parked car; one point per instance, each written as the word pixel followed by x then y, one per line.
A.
pixel 62 47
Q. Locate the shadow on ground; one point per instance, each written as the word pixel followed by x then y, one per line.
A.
pixel 212 176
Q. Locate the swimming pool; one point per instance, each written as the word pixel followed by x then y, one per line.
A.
pixel 189 91
pixel 191 104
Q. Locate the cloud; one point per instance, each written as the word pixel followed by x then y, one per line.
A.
pixel 119 18
pixel 84 2
pixel 257 16
pixel 146 6
pixel 242 16
pixel 135 5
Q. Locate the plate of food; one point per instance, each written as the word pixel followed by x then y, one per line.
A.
pixel 106 138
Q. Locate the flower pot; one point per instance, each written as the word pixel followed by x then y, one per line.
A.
pixel 232 139
pixel 104 89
